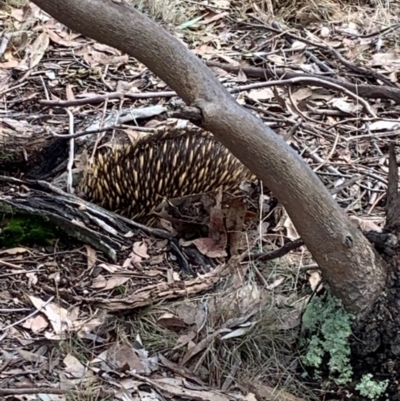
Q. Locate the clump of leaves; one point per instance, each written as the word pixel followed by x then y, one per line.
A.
pixel 27 230
pixel 370 388
pixel 329 326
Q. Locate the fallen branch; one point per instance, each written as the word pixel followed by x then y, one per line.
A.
pixel 363 91
pixel 88 223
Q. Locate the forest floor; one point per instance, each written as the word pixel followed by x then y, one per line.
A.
pixel 75 326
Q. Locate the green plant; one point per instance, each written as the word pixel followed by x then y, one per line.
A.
pixel 370 388
pixel 121 290
pixel 330 326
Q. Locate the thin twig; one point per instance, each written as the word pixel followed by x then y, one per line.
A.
pixel 71 153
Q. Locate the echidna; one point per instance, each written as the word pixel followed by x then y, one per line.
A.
pixel 134 179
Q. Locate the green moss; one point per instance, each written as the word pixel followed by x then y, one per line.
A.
pixel 28 230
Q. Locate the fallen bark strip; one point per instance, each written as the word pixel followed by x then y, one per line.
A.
pixel 162 292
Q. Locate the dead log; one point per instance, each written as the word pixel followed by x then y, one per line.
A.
pixel 87 223
pixel 29 152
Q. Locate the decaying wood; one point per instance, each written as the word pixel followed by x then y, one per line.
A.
pixel 36 153
pixel 83 221
pixel 355 272
pixel 23 151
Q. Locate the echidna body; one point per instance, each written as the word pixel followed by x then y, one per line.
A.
pixel 134 179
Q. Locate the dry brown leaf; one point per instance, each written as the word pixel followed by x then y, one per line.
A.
pixel 272 393
pixel 302 94
pixel 74 367
pixel 384 59
pixel 171 322
pixel 290 228
pixel 240 332
pixel 111 268
pixel 56 38
pixel 215 245
pixel 203 344
pixel 261 94
pixel 346 107
pixel 114 282
pixel 37 324
pixel 140 249
pixel 185 339
pixel 241 77
pixel 11 61
pixel 99 282
pixel 38 49
pixel 362 146
pixel 210 248
pixel 31 356
pixel 277 282
pixel 98 58
pixel 212 17
pixel 69 92
pixel 298 45
pixel 106 49
pixel 366 224
pixel 192 313
pixel 58 317
pixel 19 14
pixel 124 357
pixel 382 125
pixel 314 279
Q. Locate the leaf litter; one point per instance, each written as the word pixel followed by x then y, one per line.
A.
pixel 66 324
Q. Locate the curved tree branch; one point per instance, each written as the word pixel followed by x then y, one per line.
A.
pixel 336 244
